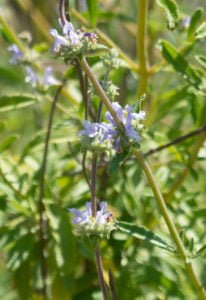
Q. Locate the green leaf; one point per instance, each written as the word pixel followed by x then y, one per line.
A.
pixel 144 234
pixel 172 11
pixel 201 60
pixel 200 252
pixel 20 251
pixel 115 162
pixel 7 143
pixel 180 64
pixel 196 17
pixel 92 8
pixel 12 102
pixel 200 33
pixel 63 238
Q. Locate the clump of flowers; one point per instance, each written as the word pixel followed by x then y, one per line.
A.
pixel 101 136
pixel 36 80
pixel 72 42
pixel 100 225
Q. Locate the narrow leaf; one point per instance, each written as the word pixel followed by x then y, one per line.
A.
pixel 180 64
pixel 92 8
pixel 196 18
pixel 144 234
pixel 116 161
pixel 7 143
pixel 201 31
pixel 12 102
pixel 201 60
pixel 172 12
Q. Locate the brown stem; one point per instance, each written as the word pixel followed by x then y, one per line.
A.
pixel 100 273
pixel 112 286
pixel 41 206
pixel 177 140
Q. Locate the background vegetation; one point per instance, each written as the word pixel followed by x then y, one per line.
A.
pixel 175 105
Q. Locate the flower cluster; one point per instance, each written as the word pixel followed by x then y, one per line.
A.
pixel 85 223
pixel 107 136
pixel 71 43
pixel 34 79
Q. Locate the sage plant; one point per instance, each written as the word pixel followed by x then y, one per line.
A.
pixel 109 135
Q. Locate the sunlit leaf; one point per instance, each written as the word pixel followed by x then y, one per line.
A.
pixel 196 18
pixel 144 234
pixel 180 64
pixel 13 102
pixel 200 33
pixel 172 11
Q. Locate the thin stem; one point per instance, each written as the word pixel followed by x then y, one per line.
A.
pixel 170 224
pixel 180 179
pixel 93 184
pixel 177 140
pixel 41 206
pixel 112 286
pixel 141 46
pixel 100 273
pixel 100 92
pixel 85 169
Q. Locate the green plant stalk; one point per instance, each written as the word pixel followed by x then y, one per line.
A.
pixel 141 46
pixel 100 91
pixel 107 41
pixel 157 193
pixel 170 224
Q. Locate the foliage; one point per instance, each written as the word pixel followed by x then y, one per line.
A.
pixel 136 255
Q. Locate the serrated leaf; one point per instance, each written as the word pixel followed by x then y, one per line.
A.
pixel 115 162
pixel 200 33
pixel 172 11
pixel 180 64
pixel 196 17
pixel 142 233
pixel 7 143
pixel 12 102
pixel 93 12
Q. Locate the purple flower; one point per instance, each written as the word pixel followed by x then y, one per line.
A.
pixel 70 33
pixel 100 131
pixel 17 54
pixel 84 217
pixel 58 40
pixel 128 118
pixel 49 79
pixel 31 76
pixel 103 215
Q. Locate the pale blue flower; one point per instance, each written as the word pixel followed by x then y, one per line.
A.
pixel 49 79
pixel 84 217
pixel 58 40
pixel 69 32
pixel 31 76
pixel 17 54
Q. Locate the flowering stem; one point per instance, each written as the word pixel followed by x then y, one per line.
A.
pixel 107 41
pixel 141 46
pixel 41 206
pixel 158 195
pixel 100 92
pixel 170 224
